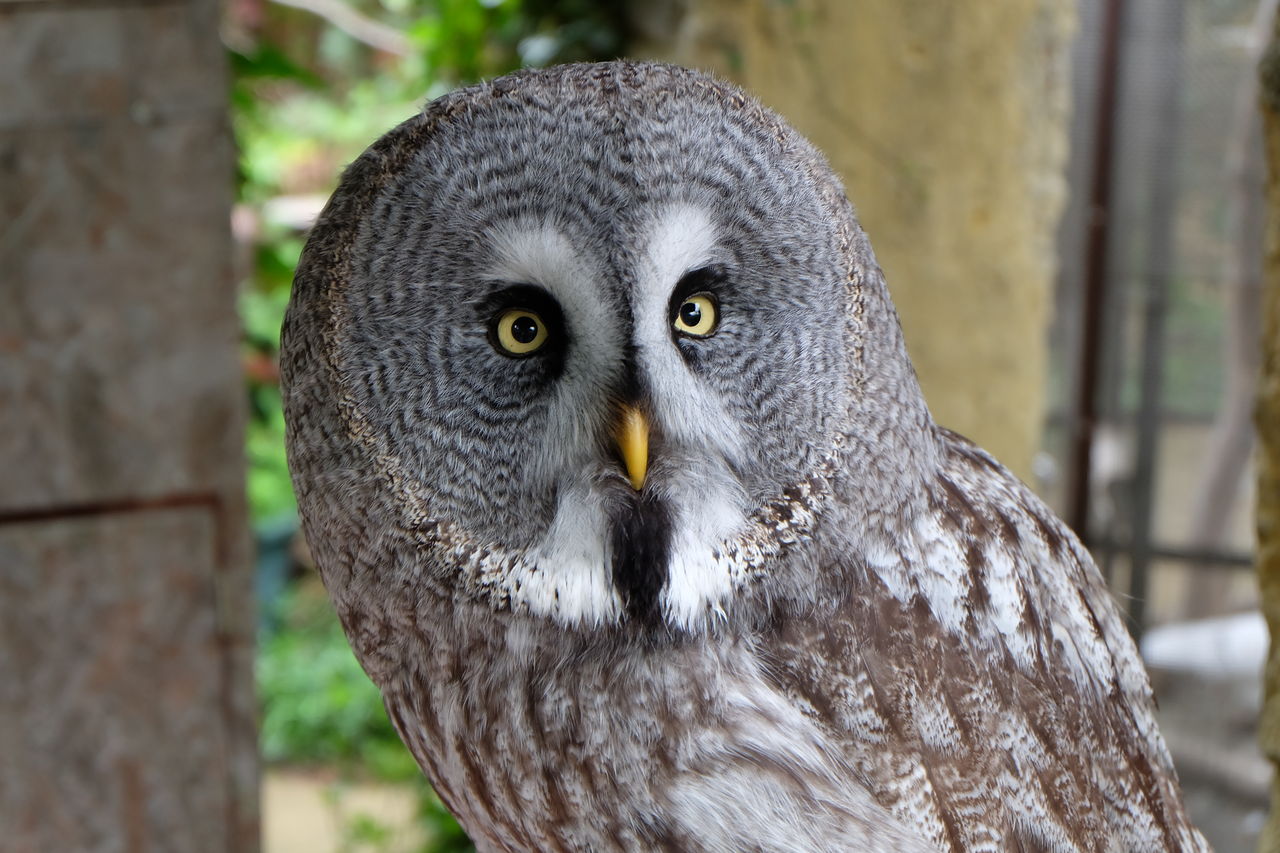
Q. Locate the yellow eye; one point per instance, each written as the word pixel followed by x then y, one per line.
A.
pixel 520 332
pixel 697 316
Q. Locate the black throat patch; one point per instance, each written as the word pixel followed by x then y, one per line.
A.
pixel 641 546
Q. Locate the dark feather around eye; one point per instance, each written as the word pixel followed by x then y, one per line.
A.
pixel 529 297
pixel 709 279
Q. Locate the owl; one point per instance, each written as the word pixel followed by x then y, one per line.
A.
pixel 613 462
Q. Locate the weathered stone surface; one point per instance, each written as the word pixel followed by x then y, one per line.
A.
pixel 126 621
pixel 65 64
pixel 114 677
pixel 948 123
pixel 117 316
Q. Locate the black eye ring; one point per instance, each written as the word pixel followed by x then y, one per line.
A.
pixel 524 320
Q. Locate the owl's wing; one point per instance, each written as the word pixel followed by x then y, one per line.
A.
pixel 981 680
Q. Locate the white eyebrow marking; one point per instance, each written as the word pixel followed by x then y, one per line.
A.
pixel 681 241
pixel 682 238
pixel 704 440
pixel 534 252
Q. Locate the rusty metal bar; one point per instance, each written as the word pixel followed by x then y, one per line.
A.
pixel 1097 241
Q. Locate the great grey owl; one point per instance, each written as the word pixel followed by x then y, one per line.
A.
pixel 613 462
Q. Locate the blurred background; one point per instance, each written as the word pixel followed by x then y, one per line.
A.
pixel 1067 197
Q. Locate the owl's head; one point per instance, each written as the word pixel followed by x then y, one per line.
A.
pixel 596 343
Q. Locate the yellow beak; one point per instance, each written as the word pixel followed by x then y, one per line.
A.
pixel 633 440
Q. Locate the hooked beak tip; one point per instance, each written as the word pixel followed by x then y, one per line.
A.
pixel 633 441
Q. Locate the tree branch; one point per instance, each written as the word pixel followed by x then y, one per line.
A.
pixel 377 35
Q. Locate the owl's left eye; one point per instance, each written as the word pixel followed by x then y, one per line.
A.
pixel 519 332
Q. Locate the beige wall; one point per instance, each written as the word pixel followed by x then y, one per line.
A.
pixel 948 123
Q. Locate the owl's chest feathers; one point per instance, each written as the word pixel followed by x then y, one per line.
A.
pixel 828 722
pixel 630 747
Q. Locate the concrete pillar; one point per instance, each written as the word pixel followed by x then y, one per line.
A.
pixel 126 702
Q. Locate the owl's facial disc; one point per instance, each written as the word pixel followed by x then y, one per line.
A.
pixel 494 340
pixel 637 455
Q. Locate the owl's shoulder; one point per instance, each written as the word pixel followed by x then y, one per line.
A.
pixel 979 676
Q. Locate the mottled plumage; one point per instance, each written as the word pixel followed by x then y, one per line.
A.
pixel 823 623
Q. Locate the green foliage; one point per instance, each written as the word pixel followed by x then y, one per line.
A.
pixel 1192 363
pixel 269 489
pixel 318 705
pixel 365 831
pixel 444 833
pixel 1193 355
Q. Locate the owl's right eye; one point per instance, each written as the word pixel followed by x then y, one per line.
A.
pixel 696 316
pixel 519 332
